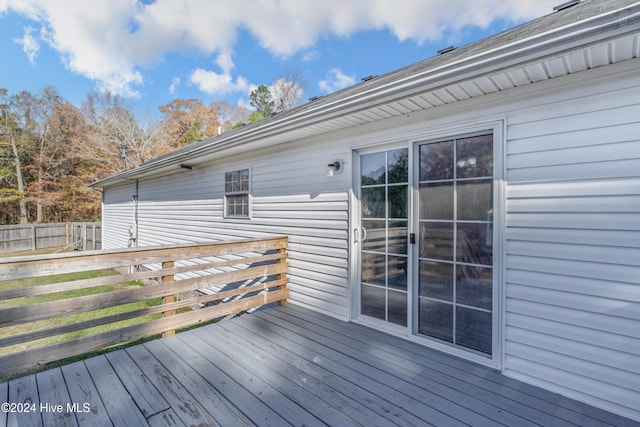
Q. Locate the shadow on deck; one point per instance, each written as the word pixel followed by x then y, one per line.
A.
pixel 281 366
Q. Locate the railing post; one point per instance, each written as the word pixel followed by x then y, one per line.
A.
pixel 282 276
pixel 168 298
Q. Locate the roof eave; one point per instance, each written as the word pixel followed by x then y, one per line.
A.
pixel 578 35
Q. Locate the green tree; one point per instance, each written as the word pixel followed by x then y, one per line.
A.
pixel 284 93
pixel 262 101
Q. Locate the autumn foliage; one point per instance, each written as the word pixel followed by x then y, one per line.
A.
pixel 50 150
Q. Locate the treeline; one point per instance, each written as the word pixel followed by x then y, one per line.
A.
pixel 50 150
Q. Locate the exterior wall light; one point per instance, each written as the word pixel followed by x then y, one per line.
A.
pixel 334 168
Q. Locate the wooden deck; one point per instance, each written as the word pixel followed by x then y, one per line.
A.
pixel 286 366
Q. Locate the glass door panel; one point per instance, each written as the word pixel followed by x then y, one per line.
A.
pixel 455 241
pixel 384 223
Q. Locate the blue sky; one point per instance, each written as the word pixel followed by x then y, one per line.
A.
pixel 152 52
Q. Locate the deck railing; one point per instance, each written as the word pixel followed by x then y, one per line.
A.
pixel 214 280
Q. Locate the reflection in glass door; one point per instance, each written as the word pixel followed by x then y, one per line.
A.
pixel 383 219
pixel 455 208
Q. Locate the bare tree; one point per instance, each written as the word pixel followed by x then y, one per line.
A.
pixel 188 120
pixel 114 137
pixel 9 133
pixel 230 115
pixel 38 111
pixel 283 94
pixel 287 91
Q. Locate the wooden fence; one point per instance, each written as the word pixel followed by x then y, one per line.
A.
pixel 30 237
pixel 238 276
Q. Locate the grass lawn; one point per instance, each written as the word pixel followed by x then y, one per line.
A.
pixel 36 252
pixel 58 321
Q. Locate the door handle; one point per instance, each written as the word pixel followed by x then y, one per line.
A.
pixel 359 234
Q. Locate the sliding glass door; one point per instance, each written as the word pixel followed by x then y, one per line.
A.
pixel 424 241
pixel 455 244
pixel 383 235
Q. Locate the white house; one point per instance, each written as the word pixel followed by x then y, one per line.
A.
pixel 484 202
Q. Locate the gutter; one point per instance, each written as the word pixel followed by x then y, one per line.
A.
pixel 579 34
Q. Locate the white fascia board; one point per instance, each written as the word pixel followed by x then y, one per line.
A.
pixel 523 52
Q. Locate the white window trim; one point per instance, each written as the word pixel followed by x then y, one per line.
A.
pixel 237 193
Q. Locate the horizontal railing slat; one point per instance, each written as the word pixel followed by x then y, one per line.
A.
pixel 120 278
pixel 43 355
pixel 50 332
pixel 38 265
pixel 246 267
pixel 46 310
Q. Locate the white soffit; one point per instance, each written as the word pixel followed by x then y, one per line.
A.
pixel 610 52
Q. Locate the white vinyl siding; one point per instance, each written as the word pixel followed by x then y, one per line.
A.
pixel 118 213
pixel 573 246
pixel 297 200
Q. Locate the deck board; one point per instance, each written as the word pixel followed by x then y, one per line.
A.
pixel 4 397
pixel 385 386
pixel 24 390
pixel 314 379
pixel 290 366
pixel 433 407
pixel 384 369
pixel 167 418
pixel 444 381
pixel 256 385
pixel 119 404
pixel 147 398
pixel 53 390
pixel 197 375
pixel 186 406
pixel 537 405
pixel 288 395
pixel 83 391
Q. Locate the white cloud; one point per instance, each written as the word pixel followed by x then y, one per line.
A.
pixel 311 55
pixel 214 83
pixel 408 19
pixel 225 62
pixel 29 44
pixel 92 39
pixel 175 82
pixel 111 41
pixel 336 80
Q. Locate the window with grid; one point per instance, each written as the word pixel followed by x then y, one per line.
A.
pixel 236 194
